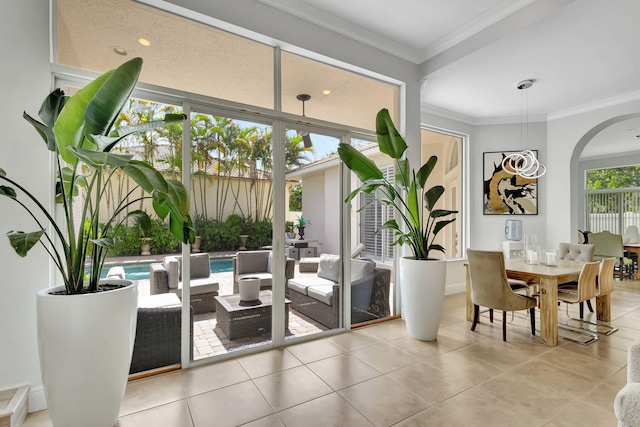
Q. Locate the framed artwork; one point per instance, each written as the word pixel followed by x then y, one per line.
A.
pixel 504 193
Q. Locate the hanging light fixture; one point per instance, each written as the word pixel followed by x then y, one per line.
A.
pixel 524 163
pixel 306 139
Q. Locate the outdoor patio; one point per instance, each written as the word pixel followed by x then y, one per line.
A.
pixel 208 338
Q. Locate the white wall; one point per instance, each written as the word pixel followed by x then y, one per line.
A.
pixel 332 207
pixel 567 137
pixel 487 231
pixel 26 79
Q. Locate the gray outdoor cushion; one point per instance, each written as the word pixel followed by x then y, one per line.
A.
pixel 361 269
pixel 252 262
pixel 200 266
pixel 329 267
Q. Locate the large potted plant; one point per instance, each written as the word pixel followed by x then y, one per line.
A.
pixel 86 327
pixel 422 278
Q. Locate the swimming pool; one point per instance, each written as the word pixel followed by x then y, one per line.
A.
pixel 140 270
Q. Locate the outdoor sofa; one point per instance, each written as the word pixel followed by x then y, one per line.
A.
pixel 167 277
pixel 318 296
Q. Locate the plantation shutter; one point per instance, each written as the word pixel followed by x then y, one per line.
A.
pixel 377 246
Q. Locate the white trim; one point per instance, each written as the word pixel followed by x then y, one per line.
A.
pixel 37 400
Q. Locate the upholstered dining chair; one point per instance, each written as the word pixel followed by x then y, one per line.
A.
pixel 585 289
pixel 490 288
pixel 576 252
pixel 610 245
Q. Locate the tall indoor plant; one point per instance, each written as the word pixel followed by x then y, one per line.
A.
pixel 415 205
pixel 86 328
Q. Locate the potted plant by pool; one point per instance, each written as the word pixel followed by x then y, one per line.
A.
pixel 422 278
pixel 86 327
pixel 301 223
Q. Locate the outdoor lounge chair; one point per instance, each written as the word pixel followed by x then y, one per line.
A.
pixel 166 277
pixel 257 264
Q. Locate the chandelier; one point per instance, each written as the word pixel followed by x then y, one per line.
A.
pixel 524 163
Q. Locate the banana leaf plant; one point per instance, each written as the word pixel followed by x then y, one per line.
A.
pixel 413 202
pixel 78 130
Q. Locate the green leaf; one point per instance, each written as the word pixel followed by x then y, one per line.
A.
pixel 104 242
pixel 169 119
pixel 45 132
pixel 425 171
pixel 142 219
pixel 432 195
pixel 101 159
pixel 69 128
pixel 360 164
pixel 146 176
pixel 8 191
pixel 437 213
pixel 52 106
pixel 389 140
pixel 441 224
pixel 22 242
pixel 413 206
pixel 105 106
pixel 402 174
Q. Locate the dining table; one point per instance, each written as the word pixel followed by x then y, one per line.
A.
pixel 548 278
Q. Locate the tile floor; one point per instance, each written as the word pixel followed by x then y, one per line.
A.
pixel 378 376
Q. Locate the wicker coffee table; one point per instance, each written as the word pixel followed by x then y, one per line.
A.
pixel 238 319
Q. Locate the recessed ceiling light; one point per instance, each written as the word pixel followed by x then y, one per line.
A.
pixel 144 42
pixel 119 51
pixel 326 92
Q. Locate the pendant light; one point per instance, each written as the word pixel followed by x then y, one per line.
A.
pixel 524 163
pixel 306 139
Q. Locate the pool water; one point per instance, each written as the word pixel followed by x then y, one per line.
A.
pixel 140 270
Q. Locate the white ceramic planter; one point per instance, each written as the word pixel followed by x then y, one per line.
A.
pixel 85 344
pixel 422 285
pixel 249 288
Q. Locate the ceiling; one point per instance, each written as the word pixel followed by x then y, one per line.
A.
pixel 582 54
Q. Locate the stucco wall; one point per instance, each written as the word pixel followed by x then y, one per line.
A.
pixel 26 80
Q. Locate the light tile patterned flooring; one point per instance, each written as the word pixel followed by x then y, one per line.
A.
pixel 378 376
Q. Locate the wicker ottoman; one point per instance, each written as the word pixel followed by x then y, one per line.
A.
pixel 239 321
pixel 309 265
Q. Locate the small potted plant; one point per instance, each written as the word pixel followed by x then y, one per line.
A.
pixel 422 277
pixel 300 224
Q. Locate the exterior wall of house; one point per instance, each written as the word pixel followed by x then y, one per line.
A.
pixel 26 78
pixel 313 209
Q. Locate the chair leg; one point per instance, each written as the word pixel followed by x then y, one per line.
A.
pixel 532 314
pixel 476 316
pixel 581 310
pixel 504 326
pixel 491 315
pixel 589 305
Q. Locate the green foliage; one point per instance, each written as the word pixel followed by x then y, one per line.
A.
pixel 409 199
pixel 623 177
pixel 288 226
pixel 295 198
pixel 78 130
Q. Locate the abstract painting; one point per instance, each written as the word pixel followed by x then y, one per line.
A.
pixel 504 193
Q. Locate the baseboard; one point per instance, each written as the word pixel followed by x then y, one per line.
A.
pixel 455 288
pixel 37 401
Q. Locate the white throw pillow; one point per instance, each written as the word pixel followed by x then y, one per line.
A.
pixel 329 267
pixel 172 266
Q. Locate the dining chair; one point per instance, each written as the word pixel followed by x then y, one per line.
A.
pixel 576 252
pixel 585 288
pixel 607 245
pixel 490 288
pixel 604 285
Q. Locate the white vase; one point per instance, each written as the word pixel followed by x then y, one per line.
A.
pixel 85 344
pixel 249 288
pixel 422 285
